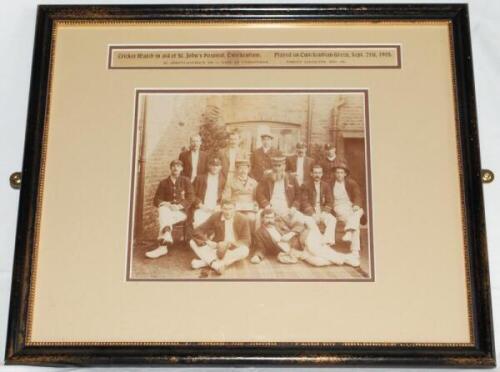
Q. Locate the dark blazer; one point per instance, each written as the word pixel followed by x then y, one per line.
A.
pixel 187 169
pixel 260 162
pixel 308 199
pixel 264 244
pixel 200 189
pixel 215 226
pixel 266 186
pixel 223 155
pixel 353 190
pixel 291 166
pixel 179 193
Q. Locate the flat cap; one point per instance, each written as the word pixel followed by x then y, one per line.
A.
pixel 175 162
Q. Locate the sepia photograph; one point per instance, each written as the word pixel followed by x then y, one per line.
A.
pixel 251 185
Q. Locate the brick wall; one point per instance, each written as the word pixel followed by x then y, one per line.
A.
pixel 170 121
pixel 321 118
pixel 351 114
pixel 271 108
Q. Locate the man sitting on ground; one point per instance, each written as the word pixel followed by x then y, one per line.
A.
pixel 276 237
pixel 221 240
pixel 293 238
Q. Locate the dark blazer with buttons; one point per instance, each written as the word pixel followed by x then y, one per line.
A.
pixel 308 199
pixel 215 226
pixel 291 166
pixel 200 189
pixel 179 193
pixel 260 162
pixel 266 186
pixel 187 167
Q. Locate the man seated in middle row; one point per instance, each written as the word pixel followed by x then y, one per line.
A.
pixel 347 205
pixel 173 199
pixel 241 190
pixel 317 202
pixel 208 191
pixel 279 190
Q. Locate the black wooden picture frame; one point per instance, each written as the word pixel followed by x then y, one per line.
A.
pixel 480 354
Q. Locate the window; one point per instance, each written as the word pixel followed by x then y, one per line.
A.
pixel 286 135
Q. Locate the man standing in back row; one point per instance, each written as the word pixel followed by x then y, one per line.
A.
pixel 300 164
pixel 261 162
pixel 229 154
pixel 328 162
pixel 194 161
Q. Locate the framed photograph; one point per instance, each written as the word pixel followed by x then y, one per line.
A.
pixel 285 123
pixel 251 184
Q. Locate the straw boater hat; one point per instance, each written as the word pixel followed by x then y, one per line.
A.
pixel 243 160
pixel 301 145
pixel 266 132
